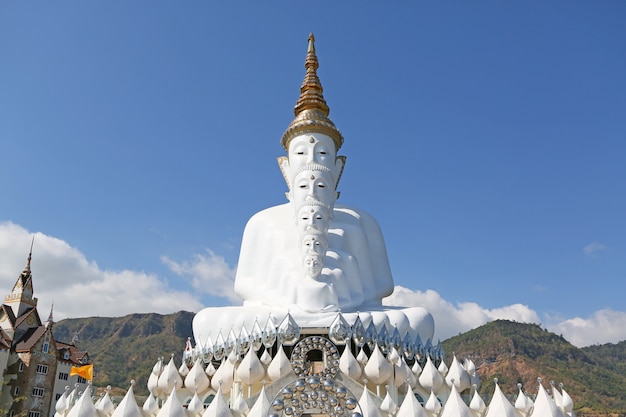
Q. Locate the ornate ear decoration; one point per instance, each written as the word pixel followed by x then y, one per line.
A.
pixel 339 168
pixel 283 164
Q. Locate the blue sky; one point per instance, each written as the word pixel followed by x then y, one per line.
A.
pixel 488 139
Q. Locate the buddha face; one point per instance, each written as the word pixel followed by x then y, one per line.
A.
pixel 313 185
pixel 315 243
pixel 311 148
pixel 313 265
pixel 315 219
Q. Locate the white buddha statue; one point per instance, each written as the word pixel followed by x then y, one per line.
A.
pixel 355 265
pixel 312 257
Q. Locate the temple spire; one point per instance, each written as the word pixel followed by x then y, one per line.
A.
pixel 30 255
pixel 50 320
pixel 311 110
pixel 21 298
pixel 311 96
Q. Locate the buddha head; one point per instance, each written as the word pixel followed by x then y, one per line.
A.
pixel 314 241
pixel 313 183
pixel 313 265
pixel 313 219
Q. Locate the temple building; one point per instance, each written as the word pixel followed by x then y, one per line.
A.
pixel 35 366
pixel 312 338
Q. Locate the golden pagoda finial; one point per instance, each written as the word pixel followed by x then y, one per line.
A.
pixel 311 110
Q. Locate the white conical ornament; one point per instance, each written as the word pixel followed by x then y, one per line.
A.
pixel 170 377
pixel 83 406
pixel 61 405
pixel 477 404
pixel 197 379
pixel 218 407
pixel 443 368
pixel 432 405
pixel 151 406
pixel 183 370
pixel 239 407
pixel 388 405
pixel 499 406
pixel 568 403
pixel 455 407
pixel 250 370
pixel 368 406
pixel 544 405
pixel 224 377
pixel 158 367
pixel 410 407
pixel 266 358
pixel 105 405
pixel 403 373
pixel 393 356
pixel 416 369
pixel 362 358
pixel 172 406
pixel 261 405
pixel 97 403
pixel 210 370
pixel 430 378
pixel 348 364
pixel 378 369
pixel 153 384
pixel 128 406
pixel 280 365
pixel 73 396
pixel 195 406
pixel 556 396
pixel 470 367
pixel 459 375
pixel 523 404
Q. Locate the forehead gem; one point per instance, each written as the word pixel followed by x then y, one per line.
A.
pixel 311 139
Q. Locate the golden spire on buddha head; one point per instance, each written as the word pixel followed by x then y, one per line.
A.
pixel 311 110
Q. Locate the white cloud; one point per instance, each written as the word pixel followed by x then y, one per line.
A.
pixel 604 326
pixel 209 273
pixel 451 319
pixel 79 288
pixel 592 249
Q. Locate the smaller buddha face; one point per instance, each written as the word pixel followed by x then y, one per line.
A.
pixel 315 243
pixel 311 148
pixel 313 185
pixel 313 265
pixel 313 218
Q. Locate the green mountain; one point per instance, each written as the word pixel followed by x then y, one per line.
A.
pixel 127 348
pixel 520 353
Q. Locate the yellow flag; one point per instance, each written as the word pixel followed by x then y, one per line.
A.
pixel 84 371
